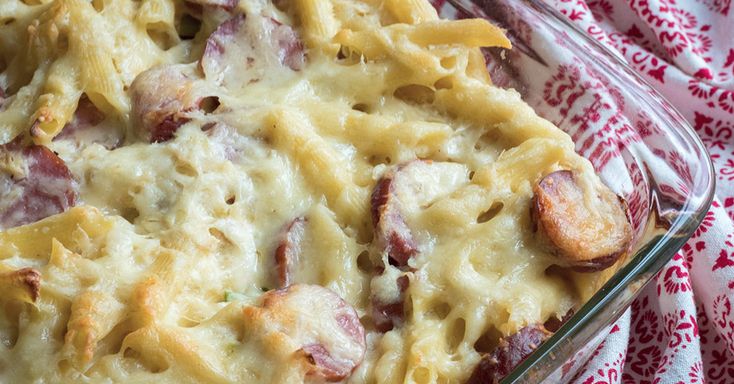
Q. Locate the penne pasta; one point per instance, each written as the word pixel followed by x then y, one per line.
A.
pixel 319 23
pixel 411 11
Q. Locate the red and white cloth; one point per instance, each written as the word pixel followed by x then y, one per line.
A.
pixel 681 328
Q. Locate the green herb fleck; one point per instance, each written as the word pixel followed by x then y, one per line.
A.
pixel 230 296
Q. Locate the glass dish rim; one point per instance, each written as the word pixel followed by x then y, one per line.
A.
pixel 656 252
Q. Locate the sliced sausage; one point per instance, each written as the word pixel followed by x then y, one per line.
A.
pixel 288 251
pixel 391 231
pixel 86 128
pixel 510 352
pixel 587 238
pixel 402 191
pixel 242 50
pixel 325 331
pixel 288 45
pixel 161 98
pixel 393 235
pixel 388 314
pixel 406 189
pixel 554 323
pixel 34 184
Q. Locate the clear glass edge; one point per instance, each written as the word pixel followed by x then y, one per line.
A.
pixel 649 259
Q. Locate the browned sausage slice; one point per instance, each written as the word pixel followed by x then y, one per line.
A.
pixel 34 184
pixel 242 50
pixel 288 251
pixel 330 339
pixel 510 352
pixel 587 238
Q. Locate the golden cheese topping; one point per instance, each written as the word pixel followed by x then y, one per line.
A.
pixel 223 191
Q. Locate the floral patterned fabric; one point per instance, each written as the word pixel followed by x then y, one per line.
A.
pixel 681 327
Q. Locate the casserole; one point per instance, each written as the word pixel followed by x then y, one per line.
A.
pixel 658 162
pixel 351 158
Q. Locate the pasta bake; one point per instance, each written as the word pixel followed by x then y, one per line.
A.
pixel 286 191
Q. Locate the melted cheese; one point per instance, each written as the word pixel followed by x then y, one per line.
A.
pixel 134 278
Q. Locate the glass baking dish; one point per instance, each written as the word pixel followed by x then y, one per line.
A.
pixel 639 144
